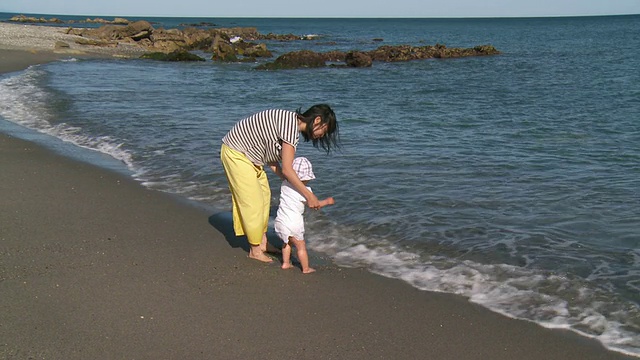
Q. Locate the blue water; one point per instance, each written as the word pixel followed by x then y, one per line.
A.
pixel 512 180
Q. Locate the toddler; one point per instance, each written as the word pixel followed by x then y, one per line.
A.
pixel 289 223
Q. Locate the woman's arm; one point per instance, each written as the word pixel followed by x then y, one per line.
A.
pixel 288 153
pixel 275 167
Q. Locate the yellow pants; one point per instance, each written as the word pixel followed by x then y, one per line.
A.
pixel 250 194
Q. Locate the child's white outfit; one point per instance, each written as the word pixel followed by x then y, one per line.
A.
pixel 289 218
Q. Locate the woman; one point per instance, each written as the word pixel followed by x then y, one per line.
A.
pixel 270 137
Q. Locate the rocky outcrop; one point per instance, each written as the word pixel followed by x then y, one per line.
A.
pixel 132 32
pixel 165 40
pixel 41 20
pixel 295 60
pixel 389 53
pixel 222 49
pixel 179 55
pixel 386 53
pixel 358 59
pixel 34 20
pixel 94 42
pixel 225 44
pixel 242 44
pixel 61 45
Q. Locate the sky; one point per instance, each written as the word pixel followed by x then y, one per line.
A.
pixel 323 8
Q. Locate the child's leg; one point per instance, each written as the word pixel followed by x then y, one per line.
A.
pixel 303 257
pixel 286 256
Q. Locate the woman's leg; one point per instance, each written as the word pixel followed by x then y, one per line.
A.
pixel 247 184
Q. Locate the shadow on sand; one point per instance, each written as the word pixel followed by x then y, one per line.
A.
pixel 223 222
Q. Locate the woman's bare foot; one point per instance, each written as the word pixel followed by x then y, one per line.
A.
pixel 309 271
pixel 257 254
pixel 287 266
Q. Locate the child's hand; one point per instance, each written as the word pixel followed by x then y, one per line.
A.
pixel 327 201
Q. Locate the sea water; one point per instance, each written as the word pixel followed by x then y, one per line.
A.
pixel 512 180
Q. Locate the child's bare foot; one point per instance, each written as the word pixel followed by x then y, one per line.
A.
pixel 309 271
pixel 257 254
pixel 287 266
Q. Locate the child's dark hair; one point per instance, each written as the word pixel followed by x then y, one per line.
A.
pixel 331 140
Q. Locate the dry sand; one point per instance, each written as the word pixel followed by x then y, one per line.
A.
pixel 45 41
pixel 95 266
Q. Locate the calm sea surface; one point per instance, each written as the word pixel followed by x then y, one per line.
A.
pixel 513 180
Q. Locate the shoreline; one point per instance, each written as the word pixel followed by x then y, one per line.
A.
pixel 93 263
pixel 41 43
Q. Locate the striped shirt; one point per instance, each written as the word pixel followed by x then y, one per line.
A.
pixel 260 136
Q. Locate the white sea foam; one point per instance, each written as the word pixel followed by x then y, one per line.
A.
pixel 23 102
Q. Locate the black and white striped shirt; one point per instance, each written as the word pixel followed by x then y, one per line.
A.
pixel 260 135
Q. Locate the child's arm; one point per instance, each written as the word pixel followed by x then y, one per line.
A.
pixel 327 201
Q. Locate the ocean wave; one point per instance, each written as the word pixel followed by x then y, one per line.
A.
pixel 24 101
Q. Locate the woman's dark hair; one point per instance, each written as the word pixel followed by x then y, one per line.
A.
pixel 331 139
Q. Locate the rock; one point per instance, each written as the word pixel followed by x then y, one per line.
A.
pixel 134 28
pixel 61 45
pixel 141 29
pixel 222 49
pixel 486 50
pixel 200 24
pixel 284 37
pixel 179 55
pixel 246 33
pixel 255 51
pixel 141 35
pixel 121 21
pixel 31 19
pixel 386 53
pixel 358 59
pixel 295 60
pixel 390 53
pixel 166 40
pixel 197 38
pixel 97 21
pixel 94 42
pixel 335 55
pixel 233 44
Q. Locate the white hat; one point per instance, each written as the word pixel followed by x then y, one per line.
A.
pixel 303 168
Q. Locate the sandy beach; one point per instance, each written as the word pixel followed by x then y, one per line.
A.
pixel 95 266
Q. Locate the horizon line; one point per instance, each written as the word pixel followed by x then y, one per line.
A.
pixel 333 16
